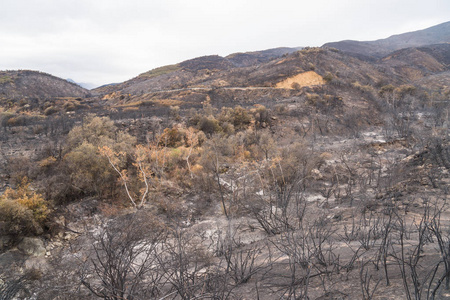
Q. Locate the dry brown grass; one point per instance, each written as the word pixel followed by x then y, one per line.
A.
pixel 168 102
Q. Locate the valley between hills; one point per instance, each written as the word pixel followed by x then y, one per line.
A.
pixel 289 173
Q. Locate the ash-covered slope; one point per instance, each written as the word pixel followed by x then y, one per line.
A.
pixel 416 63
pixel 253 76
pixel 205 70
pixel 212 72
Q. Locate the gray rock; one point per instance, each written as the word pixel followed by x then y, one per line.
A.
pixel 11 258
pixel 36 263
pixel 5 242
pixel 32 246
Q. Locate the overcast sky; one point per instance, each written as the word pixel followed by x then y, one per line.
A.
pixel 105 41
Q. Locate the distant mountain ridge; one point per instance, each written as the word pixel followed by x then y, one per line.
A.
pixel 16 85
pixel 263 68
pixel 245 59
pixel 85 85
pixel 376 49
pixel 404 58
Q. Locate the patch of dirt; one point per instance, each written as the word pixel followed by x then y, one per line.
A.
pixel 309 78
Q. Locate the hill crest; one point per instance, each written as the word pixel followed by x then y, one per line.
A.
pixel 19 84
pixel 437 34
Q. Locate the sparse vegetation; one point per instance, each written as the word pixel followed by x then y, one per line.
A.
pixel 204 180
pixel 6 79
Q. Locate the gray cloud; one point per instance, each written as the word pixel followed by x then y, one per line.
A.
pixel 113 40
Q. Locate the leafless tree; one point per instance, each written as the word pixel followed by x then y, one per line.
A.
pixel 124 261
pixel 443 240
pixel 310 254
pixel 407 249
pixel 10 288
pixel 11 285
pixel 185 264
pixel 365 282
pixel 243 262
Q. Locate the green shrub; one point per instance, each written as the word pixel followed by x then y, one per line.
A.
pixel 241 118
pixel 328 77
pixel 386 89
pixel 99 131
pixel 89 172
pixel 262 116
pixel 23 211
pixel 17 219
pixel 209 125
pixel 83 171
pixel 6 79
pixel 172 137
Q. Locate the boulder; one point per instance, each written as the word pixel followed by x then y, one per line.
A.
pixel 32 246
